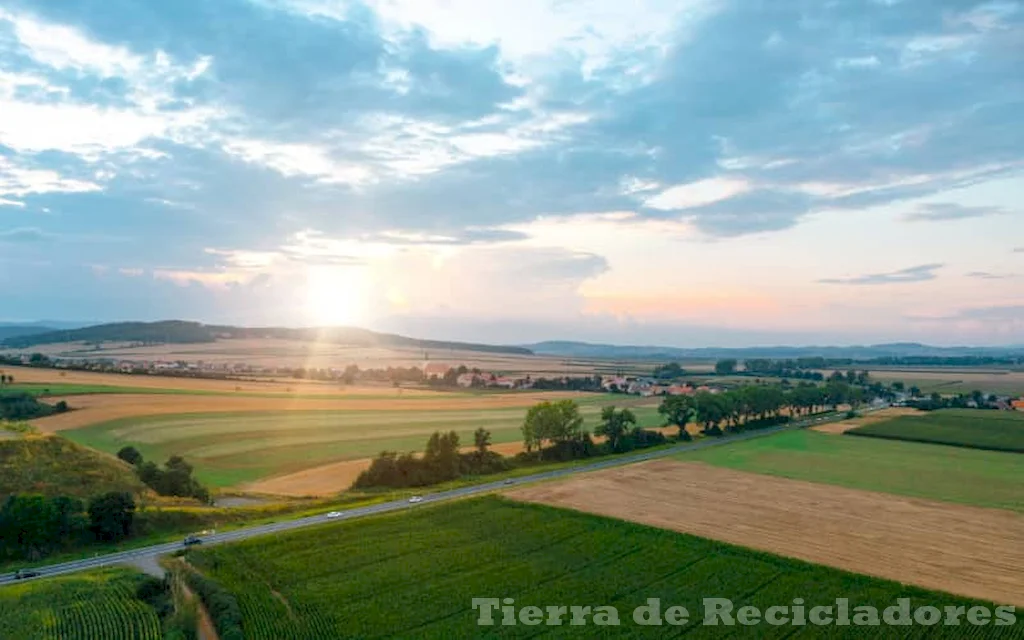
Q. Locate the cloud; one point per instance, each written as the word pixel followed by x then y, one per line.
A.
pixel 919 273
pixel 985 275
pixel 1019 250
pixel 937 212
pixel 410 132
pixel 695 194
pixel 25 235
pixel 20 181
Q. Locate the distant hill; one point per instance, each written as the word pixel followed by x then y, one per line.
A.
pixel 894 350
pixel 18 330
pixel 183 332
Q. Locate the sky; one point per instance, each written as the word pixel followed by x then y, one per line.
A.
pixel 676 172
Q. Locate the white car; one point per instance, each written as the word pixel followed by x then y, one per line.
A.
pixel 415 499
pixel 334 514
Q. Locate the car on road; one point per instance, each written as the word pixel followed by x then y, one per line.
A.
pixel 415 499
pixel 21 574
pixel 334 514
pixel 509 481
pixel 191 540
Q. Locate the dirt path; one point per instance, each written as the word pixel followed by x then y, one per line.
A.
pixel 964 550
pixel 871 418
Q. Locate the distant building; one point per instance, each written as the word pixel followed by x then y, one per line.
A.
pixel 435 369
pixel 1017 404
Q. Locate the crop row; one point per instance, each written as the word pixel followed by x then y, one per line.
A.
pixel 415 575
pixel 101 605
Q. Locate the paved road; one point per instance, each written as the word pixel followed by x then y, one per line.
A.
pixel 149 554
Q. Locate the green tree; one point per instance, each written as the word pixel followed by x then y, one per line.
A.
pixel 677 410
pixel 725 367
pixel 711 411
pixel 615 424
pixel 111 515
pixel 481 440
pixel 130 455
pixel 555 422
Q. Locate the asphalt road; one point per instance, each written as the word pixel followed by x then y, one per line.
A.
pixel 154 551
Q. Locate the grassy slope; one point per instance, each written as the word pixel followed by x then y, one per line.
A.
pixel 233 448
pixel 992 430
pixel 982 478
pixel 87 606
pixel 415 575
pixel 52 465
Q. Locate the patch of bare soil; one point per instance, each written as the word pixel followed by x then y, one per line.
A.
pixel 875 416
pixel 959 549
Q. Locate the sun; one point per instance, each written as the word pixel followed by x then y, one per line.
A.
pixel 337 296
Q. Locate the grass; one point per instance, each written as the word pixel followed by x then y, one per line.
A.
pixel 228 449
pixel 52 465
pixel 992 430
pixel 99 604
pixel 980 478
pixel 415 575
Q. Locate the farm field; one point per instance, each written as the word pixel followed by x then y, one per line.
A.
pixel 229 449
pixel 96 408
pixel 951 381
pixel 86 606
pixel 415 575
pixel 913 541
pixel 55 382
pixel 992 430
pixel 273 353
pixel 935 472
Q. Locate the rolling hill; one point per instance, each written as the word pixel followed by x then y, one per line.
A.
pixel 183 332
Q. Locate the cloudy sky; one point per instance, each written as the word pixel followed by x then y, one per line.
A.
pixel 685 172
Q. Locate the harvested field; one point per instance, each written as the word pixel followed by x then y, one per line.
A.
pixel 271 353
pixel 950 381
pixel 32 375
pixel 861 421
pixel 958 549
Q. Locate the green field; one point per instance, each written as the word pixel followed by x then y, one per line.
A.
pixel 981 478
pixel 234 448
pixel 415 575
pixel 86 606
pixel 992 430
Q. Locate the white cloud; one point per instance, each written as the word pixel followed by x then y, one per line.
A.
pixel 90 130
pixel 299 160
pixel 4 202
pixel 19 182
pixel 695 194
pixel 864 62
pixel 62 47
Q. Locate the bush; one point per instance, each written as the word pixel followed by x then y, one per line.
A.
pixel 220 603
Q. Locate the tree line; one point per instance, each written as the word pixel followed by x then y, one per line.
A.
pixel 25 406
pixel 552 431
pixel 174 479
pixel 33 526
